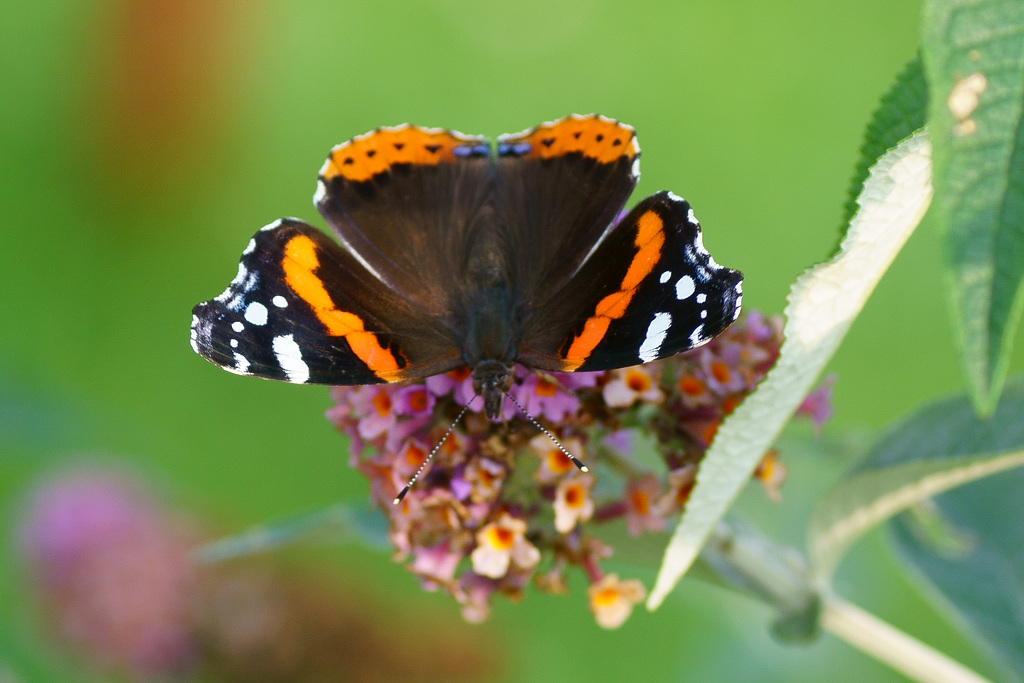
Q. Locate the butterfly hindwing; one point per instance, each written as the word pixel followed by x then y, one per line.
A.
pixel 302 309
pixel 648 291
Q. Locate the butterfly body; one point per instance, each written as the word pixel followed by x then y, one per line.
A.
pixel 453 253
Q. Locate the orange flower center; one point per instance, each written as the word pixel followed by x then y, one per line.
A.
pixel 501 538
pixel 709 432
pixel 382 403
pixel 691 386
pixel 641 502
pixel 459 374
pixel 545 388
pixel 720 371
pixel 557 462
pixel 605 597
pixel 683 494
pixel 485 477
pixel 768 466
pixel 418 400
pixel 638 381
pixel 414 455
pixel 574 496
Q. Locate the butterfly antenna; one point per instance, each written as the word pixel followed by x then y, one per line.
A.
pixel 430 456
pixel 575 461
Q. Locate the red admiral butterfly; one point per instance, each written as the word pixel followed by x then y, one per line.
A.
pixel 456 254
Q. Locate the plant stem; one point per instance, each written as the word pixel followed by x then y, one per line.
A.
pixel 887 644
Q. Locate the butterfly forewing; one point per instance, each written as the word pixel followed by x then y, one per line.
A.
pixel 406 202
pixel 559 187
pixel 650 290
pixel 304 310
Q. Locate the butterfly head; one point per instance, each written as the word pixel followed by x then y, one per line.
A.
pixel 492 379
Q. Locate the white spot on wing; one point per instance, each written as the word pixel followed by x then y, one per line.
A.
pixel 234 343
pixel 656 333
pixel 256 313
pixel 251 247
pixel 666 276
pixel 289 357
pixel 238 326
pixel 690 217
pixel 194 334
pixel 703 313
pixel 674 197
pixel 241 364
pixel 702 297
pixel 280 301
pixel 636 168
pixel 685 287
pixel 697 336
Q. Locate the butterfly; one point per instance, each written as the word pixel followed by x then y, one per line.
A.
pixel 452 252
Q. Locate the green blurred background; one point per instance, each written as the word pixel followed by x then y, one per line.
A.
pixel 143 142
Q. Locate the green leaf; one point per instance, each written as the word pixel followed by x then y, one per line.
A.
pixel 822 305
pixel 941 447
pixel 341 522
pixel 973 53
pixel 901 112
pixel 979 577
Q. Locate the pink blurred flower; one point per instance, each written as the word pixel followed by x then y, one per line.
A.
pixel 113 569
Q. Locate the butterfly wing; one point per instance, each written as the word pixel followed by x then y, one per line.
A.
pixel 303 309
pixel 650 290
pixel 406 202
pixel 560 186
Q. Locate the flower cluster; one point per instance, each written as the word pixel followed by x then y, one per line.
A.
pixel 114 573
pixel 500 504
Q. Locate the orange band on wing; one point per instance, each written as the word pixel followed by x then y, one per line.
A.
pixel 364 157
pixel 650 238
pixel 299 263
pixel 592 136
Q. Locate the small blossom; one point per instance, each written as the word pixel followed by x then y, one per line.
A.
pixel 459 381
pixel 436 565
pixel 473 593
pixel 694 391
pixel 612 600
pixel 373 405
pixel 573 503
pixel 485 477
pixel 817 405
pixel 680 483
pixel 553 462
pixel 630 385
pixel 721 369
pixel 414 400
pixel 771 472
pixel 641 514
pixel 410 457
pixel 501 544
pixel 542 396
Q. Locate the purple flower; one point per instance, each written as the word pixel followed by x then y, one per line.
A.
pixel 817 405
pixel 542 397
pixel 113 569
pixel 413 400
